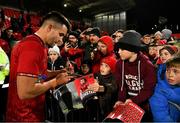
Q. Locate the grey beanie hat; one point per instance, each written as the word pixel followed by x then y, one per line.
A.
pixel 166 33
pixel 158 33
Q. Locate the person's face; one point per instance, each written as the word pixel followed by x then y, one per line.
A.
pixel 118 35
pixel 72 39
pixel 146 40
pixel 85 68
pixel 153 51
pixel 53 56
pixel 56 33
pixel 165 55
pixel 102 48
pixel 93 38
pixel 125 54
pixel 173 75
pixel 10 33
pixel 104 69
pixel 157 37
pixel 82 81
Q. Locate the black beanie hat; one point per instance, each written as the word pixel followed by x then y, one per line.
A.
pixel 76 34
pixel 95 31
pixel 131 41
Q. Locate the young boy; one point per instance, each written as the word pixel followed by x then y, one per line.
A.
pixel 55 61
pixel 105 86
pixel 135 74
pixel 165 102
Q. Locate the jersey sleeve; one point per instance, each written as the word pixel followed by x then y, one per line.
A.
pixel 29 59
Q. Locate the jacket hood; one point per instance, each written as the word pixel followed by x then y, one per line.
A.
pixel 108 41
pixel 140 56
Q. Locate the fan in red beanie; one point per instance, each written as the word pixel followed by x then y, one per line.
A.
pixel 111 61
pixel 105 86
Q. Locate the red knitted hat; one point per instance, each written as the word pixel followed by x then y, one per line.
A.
pixel 111 61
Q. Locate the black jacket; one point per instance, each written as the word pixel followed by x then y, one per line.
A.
pixel 60 63
pixel 107 98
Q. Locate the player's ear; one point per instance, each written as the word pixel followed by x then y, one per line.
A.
pixel 49 27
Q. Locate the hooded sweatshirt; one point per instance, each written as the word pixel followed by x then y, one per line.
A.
pixel 136 80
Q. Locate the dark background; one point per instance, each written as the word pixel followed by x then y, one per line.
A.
pixel 142 15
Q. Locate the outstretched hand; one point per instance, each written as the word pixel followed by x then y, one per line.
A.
pixel 53 74
pixel 95 87
pixel 63 77
pixel 118 103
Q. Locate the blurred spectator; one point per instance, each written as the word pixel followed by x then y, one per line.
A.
pixel 4 72
pixel 116 36
pixel 166 53
pixel 166 34
pixel 2 15
pixel 5 46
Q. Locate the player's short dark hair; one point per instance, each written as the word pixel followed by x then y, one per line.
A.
pixel 58 18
